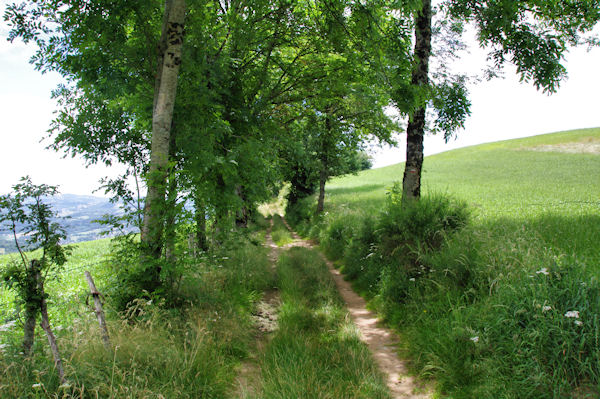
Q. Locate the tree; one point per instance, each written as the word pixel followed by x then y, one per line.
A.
pixel 25 213
pixel 411 182
pixel 162 119
pixel 533 35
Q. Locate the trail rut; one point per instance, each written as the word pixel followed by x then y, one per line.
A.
pixel 265 320
pixel 382 342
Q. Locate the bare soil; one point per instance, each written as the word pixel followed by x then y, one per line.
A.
pixel 382 341
pixel 265 321
pixel 587 146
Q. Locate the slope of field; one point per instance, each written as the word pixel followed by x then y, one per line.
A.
pixel 507 306
pixel 499 178
pixel 536 180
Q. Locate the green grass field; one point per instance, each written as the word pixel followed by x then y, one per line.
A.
pixel 503 179
pixel 486 312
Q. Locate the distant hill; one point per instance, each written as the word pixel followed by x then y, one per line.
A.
pixel 81 211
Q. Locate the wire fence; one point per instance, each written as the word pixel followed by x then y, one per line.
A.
pixel 7 305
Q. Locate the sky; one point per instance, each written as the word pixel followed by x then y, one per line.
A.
pixel 501 109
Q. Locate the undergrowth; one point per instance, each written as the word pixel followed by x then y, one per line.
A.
pixel 158 350
pixel 280 233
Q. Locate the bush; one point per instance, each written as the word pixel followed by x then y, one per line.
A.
pixel 418 225
pixel 361 247
pixel 337 234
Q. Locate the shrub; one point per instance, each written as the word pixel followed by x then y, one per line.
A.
pixel 361 247
pixel 408 228
pixel 337 233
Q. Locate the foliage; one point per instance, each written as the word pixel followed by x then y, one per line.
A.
pixel 533 35
pixel 25 212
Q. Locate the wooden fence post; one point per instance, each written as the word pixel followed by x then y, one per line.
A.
pixel 98 310
pixel 45 323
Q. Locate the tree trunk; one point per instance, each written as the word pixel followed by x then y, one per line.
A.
pixel 32 306
pixel 411 183
pixel 322 180
pixel 170 231
pixel 29 329
pixel 242 215
pixel 171 211
pixel 323 173
pixel 200 215
pixel 45 324
pixel 161 128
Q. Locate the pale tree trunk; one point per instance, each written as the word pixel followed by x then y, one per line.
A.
pixel 171 211
pixel 170 222
pixel 411 183
pixel 162 118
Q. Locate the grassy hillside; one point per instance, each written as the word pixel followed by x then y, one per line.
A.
pixel 499 178
pixel 513 182
pixel 504 306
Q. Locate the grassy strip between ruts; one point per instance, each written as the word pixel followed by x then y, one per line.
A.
pixel 280 234
pixel 316 352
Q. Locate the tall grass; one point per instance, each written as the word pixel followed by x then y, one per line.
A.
pixel 280 233
pixel 158 351
pixel 507 305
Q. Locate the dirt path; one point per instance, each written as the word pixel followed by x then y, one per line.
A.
pixel 265 320
pixel 381 341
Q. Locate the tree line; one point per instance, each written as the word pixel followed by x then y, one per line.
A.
pixel 217 103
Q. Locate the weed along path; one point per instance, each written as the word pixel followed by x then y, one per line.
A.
pixel 381 341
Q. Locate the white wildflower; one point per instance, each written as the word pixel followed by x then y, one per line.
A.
pixel 36 386
pixel 475 339
pixel 572 313
pixel 546 308
pixel 412 279
pixel 543 271
pixel 578 323
pixel 149 302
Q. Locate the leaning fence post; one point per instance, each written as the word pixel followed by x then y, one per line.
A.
pixel 98 310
